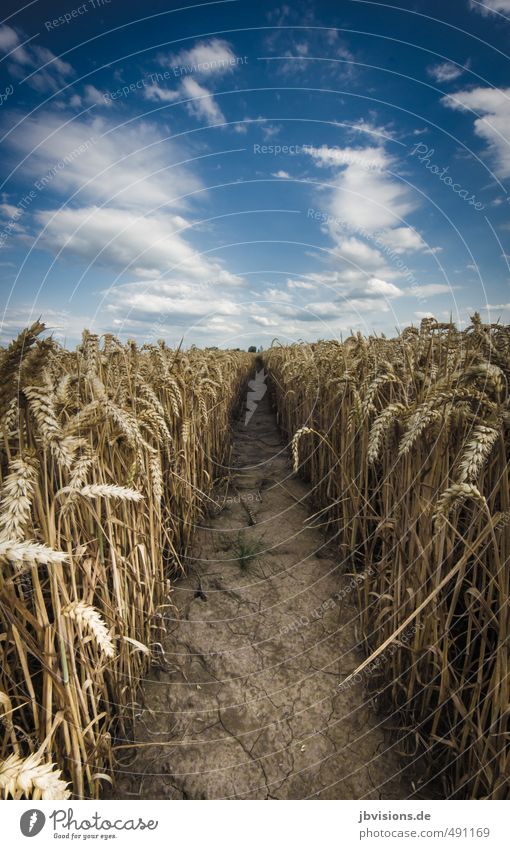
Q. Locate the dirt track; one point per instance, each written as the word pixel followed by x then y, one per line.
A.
pixel 250 705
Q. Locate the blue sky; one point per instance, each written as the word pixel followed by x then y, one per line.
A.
pixel 232 172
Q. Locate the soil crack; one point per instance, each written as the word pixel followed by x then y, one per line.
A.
pixel 250 703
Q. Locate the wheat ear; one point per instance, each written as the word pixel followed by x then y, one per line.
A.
pixel 108 490
pixel 295 445
pixel 90 618
pixel 31 779
pixel 16 497
pixel 29 552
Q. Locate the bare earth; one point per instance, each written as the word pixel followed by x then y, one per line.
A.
pixel 244 707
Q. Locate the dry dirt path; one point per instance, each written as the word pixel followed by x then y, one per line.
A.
pixel 250 705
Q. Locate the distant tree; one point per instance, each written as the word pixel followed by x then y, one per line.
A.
pixel 252 349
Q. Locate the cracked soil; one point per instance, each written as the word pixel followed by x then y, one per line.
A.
pixel 248 703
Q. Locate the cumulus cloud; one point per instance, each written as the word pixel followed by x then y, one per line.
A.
pixel 364 213
pixel 352 288
pixel 52 73
pixel 202 104
pixel 207 58
pixel 126 239
pixel 157 93
pixel 131 165
pixel 299 284
pixel 403 240
pixel 93 97
pixel 125 214
pixel 446 72
pixel 492 124
pixel 146 301
pixel 356 251
pixel 374 288
pixel 369 158
pixel 366 193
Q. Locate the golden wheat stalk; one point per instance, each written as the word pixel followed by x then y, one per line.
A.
pixel 295 445
pixel 16 497
pixel 90 618
pixel 108 490
pixel 380 426
pixel 477 452
pixel 29 553
pixel 452 673
pixel 127 404
pixel 454 496
pixel 30 779
pixel 42 405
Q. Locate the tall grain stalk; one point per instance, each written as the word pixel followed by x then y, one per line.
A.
pixel 406 444
pixel 107 455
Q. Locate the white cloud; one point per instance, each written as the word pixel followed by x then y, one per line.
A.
pixel 144 302
pixel 446 72
pixel 124 214
pixel 277 295
pixel 299 284
pixel 7 210
pixel 373 129
pixel 492 123
pixel 354 250
pixel 270 130
pixel 366 157
pixel 8 39
pixel 123 238
pixel 489 6
pixel 376 288
pixel 32 56
pixel 369 200
pixel 156 93
pixel 203 105
pixel 402 240
pixel 352 284
pixel 94 97
pixel 264 320
pixel 127 163
pixel 282 175
pixel 42 55
pixel 366 195
pixel 431 289
pixel 207 58
pixel 311 39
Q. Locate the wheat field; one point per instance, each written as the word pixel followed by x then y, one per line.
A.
pixel 406 444
pixel 109 456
